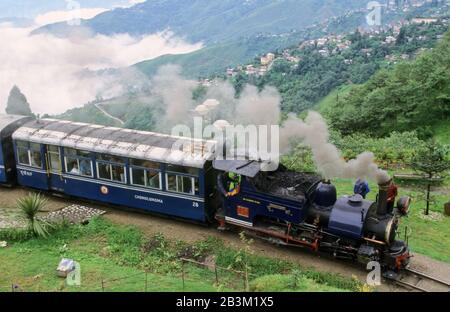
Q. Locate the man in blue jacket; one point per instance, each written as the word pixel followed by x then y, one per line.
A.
pixel 361 187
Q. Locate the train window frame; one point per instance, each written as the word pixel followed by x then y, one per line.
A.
pixel 146 170
pixel 36 149
pixel 77 157
pixel 22 145
pixel 100 162
pixel 49 158
pixel 179 177
pixel 32 149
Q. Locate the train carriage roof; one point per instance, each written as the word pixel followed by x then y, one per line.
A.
pixel 7 120
pixel 118 141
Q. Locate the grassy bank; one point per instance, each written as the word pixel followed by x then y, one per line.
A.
pixel 119 258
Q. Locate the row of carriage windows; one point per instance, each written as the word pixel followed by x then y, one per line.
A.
pixel 142 173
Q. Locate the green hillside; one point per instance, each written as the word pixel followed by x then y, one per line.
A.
pixel 327 102
pixel 351 59
pixel 215 59
pixel 414 95
pixel 89 114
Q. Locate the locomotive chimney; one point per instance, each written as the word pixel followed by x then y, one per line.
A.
pixel 382 198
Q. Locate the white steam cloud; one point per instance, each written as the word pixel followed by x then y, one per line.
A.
pixel 263 108
pixel 175 92
pixel 259 108
pixel 313 132
pixel 56 74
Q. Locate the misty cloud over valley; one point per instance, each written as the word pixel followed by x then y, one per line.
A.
pixel 57 74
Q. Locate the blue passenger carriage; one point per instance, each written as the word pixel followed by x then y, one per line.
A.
pixel 143 170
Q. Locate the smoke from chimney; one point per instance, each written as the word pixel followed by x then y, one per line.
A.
pixel 263 108
pixel 313 132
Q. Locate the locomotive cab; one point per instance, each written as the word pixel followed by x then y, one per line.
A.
pixel 264 197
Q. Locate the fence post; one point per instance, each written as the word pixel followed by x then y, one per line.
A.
pixel 146 280
pixel 182 272
pixel 103 286
pixel 217 275
pixel 12 288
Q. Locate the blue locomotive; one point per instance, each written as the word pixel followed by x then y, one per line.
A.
pixel 293 209
pixel 181 177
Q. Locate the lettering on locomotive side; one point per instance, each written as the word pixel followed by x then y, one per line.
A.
pixel 150 199
pixel 251 200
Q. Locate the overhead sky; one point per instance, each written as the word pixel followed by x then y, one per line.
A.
pixel 32 8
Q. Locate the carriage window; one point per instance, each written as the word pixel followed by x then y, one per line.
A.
pixel 54 158
pixel 182 184
pixel 22 153
pixel 118 173
pixel 138 177
pixel 35 155
pixel 78 162
pixel 187 185
pixel 172 183
pixel 111 168
pixel 29 154
pixel 104 171
pixel 182 179
pixel 145 173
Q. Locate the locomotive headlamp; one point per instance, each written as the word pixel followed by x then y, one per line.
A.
pixel 403 205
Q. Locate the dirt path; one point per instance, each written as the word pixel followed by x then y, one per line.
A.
pixel 109 115
pixel 175 229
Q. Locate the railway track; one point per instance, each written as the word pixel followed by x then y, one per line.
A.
pixel 419 281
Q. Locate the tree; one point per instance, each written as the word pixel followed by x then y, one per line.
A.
pixel 433 162
pixel 17 103
pixel 242 258
pixel 402 38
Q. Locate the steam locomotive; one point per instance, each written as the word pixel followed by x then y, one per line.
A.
pixel 143 170
pixel 288 208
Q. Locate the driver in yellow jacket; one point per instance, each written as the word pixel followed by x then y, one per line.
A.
pixel 234 184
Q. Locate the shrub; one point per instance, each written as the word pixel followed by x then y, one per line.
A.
pixel 30 206
pixel 15 235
